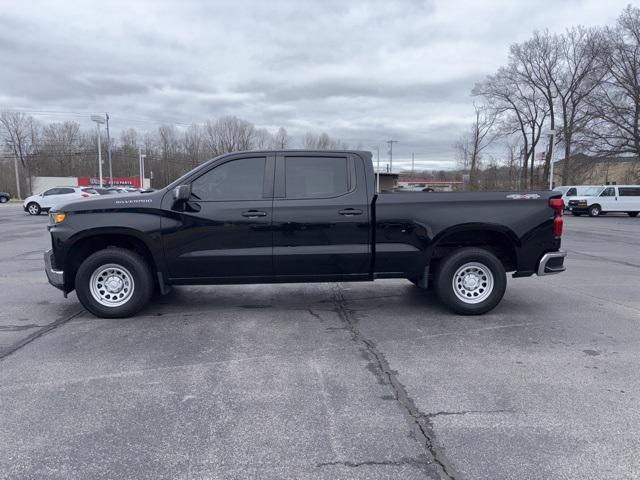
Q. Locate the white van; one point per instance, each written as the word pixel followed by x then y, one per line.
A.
pixel 610 198
pixel 570 192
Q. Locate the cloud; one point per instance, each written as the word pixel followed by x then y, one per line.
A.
pixel 363 70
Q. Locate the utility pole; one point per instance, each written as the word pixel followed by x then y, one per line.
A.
pixel 98 119
pixel 391 142
pixel 377 149
pixel 413 163
pixel 109 151
pixel 15 165
pixel 141 158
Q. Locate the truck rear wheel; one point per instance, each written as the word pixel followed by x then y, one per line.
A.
pixel 114 283
pixel 471 281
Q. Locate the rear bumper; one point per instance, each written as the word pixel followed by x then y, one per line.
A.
pixel 55 277
pixel 552 263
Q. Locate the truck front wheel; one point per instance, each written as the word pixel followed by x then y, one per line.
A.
pixel 114 283
pixel 471 281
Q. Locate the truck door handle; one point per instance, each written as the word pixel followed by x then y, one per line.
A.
pixel 254 214
pixel 350 212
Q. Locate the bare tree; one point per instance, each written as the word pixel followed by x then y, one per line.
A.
pixel 520 107
pixel 61 141
pixel 581 72
pixel 536 63
pixel 229 134
pixel 18 132
pixel 281 139
pixel 564 69
pixel 262 139
pixel 615 125
pixel 193 143
pixel 475 141
pixel 323 141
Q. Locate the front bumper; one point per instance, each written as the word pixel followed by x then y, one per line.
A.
pixel 552 263
pixel 55 277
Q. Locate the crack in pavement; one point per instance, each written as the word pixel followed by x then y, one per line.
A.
pixel 463 412
pixel 18 328
pixel 390 463
pixel 5 352
pixel 420 423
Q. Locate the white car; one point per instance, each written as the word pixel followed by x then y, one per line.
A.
pixel 569 192
pixel 45 201
pixel 610 198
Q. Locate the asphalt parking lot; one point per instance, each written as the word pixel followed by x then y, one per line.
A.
pixel 352 380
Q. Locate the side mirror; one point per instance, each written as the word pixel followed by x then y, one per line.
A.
pixel 182 193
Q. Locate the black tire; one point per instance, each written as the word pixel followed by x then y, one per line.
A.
pixel 450 265
pixel 575 214
pixel 132 264
pixel 632 214
pixel 4 199
pixel 33 208
pixel 594 210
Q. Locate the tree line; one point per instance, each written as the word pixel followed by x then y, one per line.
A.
pixel 573 92
pixel 66 149
pixel 583 84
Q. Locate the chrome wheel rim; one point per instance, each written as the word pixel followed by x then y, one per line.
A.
pixel 473 282
pixel 111 285
pixel 33 209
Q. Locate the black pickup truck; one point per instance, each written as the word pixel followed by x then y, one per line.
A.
pixel 299 216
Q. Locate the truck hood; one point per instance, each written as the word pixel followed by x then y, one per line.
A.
pixel 119 201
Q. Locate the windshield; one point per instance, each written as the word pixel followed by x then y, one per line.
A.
pixel 592 192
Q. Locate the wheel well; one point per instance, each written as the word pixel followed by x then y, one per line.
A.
pixel 496 242
pixel 89 245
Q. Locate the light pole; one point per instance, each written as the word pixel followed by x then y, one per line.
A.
pixel 550 135
pixel 391 142
pixel 99 120
pixel 141 158
pixel 377 149
pixel 106 115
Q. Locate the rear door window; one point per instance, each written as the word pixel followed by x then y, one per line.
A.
pixel 317 177
pixel 629 191
pixel 64 191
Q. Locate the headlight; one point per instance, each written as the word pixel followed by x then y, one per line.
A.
pixel 57 217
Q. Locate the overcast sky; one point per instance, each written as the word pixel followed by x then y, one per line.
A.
pixel 363 71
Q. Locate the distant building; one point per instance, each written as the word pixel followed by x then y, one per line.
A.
pixel 40 184
pixel 592 170
pixel 388 181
